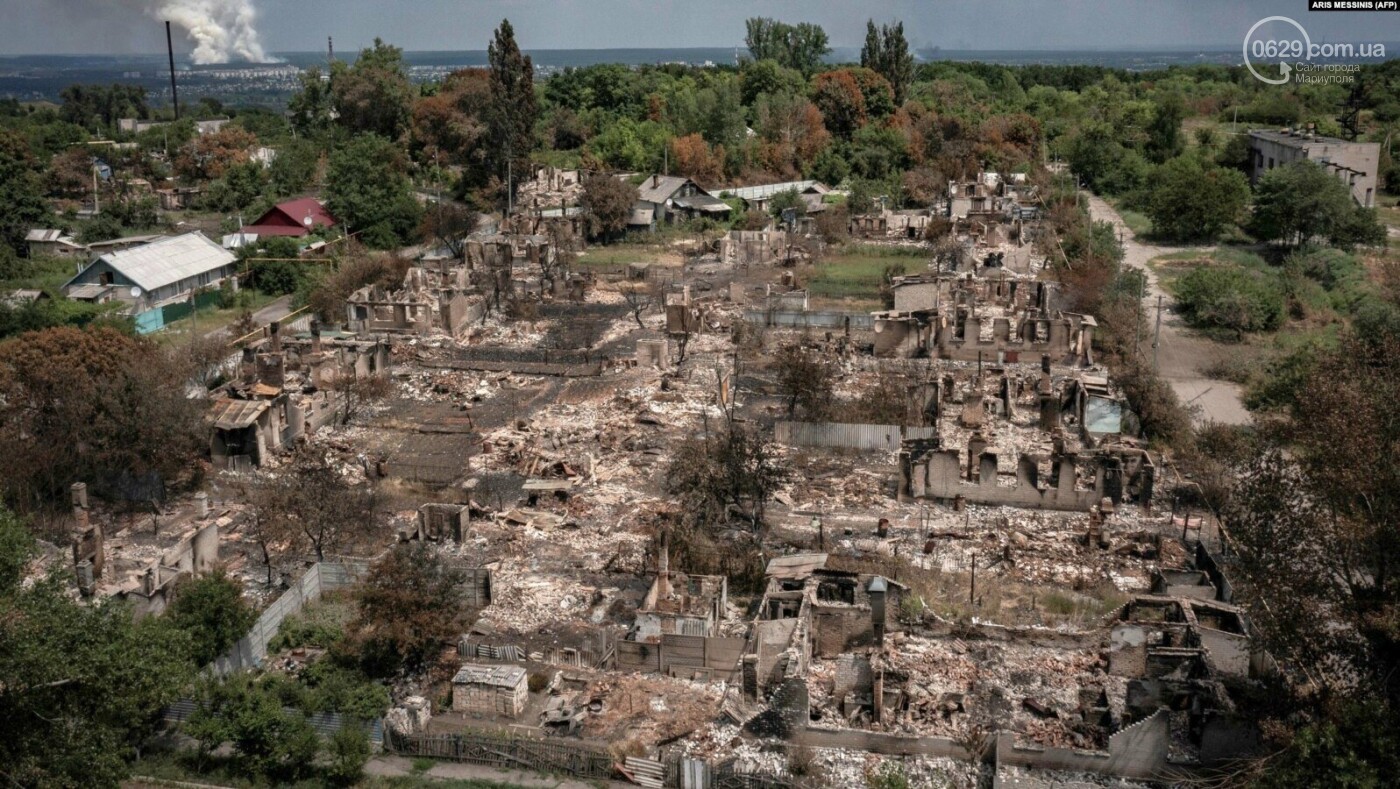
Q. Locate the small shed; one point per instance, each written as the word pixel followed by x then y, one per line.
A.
pixel 489 690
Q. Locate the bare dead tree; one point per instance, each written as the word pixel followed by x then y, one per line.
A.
pixel 329 511
pixel 359 392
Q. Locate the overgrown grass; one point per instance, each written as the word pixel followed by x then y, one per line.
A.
pixel 210 320
pixel 856 271
pixel 40 273
pixel 1136 221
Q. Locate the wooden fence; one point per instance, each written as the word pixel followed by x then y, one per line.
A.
pixel 506 751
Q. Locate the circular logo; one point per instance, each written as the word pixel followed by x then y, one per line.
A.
pixel 1268 49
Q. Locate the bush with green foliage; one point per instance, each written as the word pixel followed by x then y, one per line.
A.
pixel 1231 297
pixel 212 610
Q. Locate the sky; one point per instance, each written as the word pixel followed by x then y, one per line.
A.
pixel 118 26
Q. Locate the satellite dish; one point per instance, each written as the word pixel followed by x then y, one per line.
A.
pixel 135 292
pixel 308 221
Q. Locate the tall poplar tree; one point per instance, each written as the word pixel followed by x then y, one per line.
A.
pixel 886 52
pixel 512 113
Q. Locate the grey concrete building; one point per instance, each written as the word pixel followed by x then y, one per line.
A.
pixel 1355 164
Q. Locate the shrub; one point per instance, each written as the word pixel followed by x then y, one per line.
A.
pixel 1231 297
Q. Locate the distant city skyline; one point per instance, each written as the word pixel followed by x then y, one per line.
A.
pixel 128 26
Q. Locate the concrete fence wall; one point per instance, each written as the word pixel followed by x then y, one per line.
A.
pixel 847 436
pixel 810 320
pixel 1138 751
pixel 321 578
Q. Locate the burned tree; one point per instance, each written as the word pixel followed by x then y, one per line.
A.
pixel 328 509
pixel 448 224
pixel 640 297
pixel 358 393
pixel 725 475
pixel 805 380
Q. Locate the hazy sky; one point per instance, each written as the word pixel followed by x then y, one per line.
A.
pixel 117 26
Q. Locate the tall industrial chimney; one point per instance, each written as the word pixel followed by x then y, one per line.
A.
pixel 174 92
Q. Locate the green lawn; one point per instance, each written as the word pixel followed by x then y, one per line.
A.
pixel 1171 267
pixel 854 273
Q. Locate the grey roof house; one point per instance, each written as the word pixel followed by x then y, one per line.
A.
pixel 671 198
pixel 156 273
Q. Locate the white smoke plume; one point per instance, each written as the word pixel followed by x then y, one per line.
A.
pixel 222 30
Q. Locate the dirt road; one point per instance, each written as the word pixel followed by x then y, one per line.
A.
pixel 1180 353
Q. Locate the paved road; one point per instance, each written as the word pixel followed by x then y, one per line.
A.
pixel 1180 353
pixel 275 311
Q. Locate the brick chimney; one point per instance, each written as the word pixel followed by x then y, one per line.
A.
pixel 315 336
pixel 877 589
pixel 274 331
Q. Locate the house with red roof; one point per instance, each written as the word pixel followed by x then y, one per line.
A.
pixel 292 218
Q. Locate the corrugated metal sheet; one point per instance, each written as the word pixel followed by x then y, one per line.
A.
pixel 847 436
pixel 169 260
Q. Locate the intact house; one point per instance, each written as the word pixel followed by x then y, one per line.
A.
pixel 670 199
pixel 1355 164
pixel 44 242
pixel 813 194
pixel 295 218
pixel 154 274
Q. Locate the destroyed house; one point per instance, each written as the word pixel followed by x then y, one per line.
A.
pixel 1076 482
pixel 285 390
pixel 681 604
pixel 809 609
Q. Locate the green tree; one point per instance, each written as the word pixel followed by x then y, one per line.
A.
pixel 240 186
pixel 294 168
pixel 81 685
pixel 368 191
pixel 410 605
pixel 373 96
pixel 770 77
pixel 800 46
pixel 1194 201
pixel 607 202
pixel 211 608
pixel 1164 138
pixel 1301 201
pixel 513 112
pixel 887 52
pixel 269 742
pixel 311 107
pixel 21 190
pixel 348 751
pixel 98 107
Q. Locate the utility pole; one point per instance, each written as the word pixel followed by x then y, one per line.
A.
pixel 972 589
pixel 1157 334
pixel 96 209
pixel 174 92
pixel 1142 294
